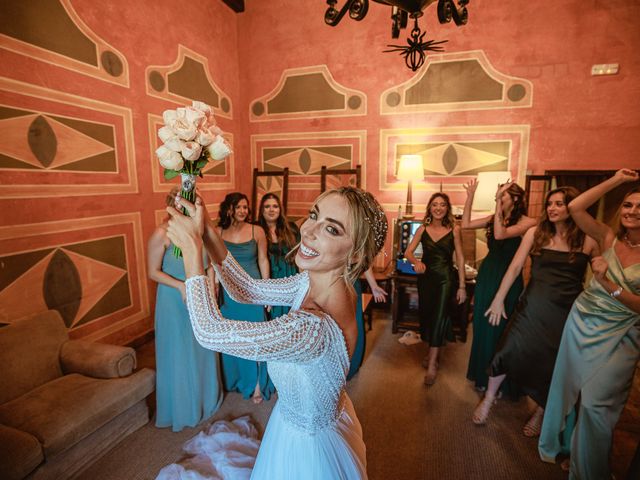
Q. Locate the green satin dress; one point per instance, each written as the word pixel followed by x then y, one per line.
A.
pixel 436 288
pixel 596 362
pixel 485 335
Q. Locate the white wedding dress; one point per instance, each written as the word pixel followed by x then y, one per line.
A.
pixel 313 432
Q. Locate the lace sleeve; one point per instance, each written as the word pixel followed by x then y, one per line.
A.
pixel 296 336
pixel 245 289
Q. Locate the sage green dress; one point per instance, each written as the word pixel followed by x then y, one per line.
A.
pixel 596 362
pixel 436 287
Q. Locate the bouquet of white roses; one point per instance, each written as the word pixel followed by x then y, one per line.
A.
pixel 190 138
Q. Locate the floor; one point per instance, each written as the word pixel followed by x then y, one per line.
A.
pixel 626 436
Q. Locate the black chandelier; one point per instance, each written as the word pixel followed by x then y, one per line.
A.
pixel 414 52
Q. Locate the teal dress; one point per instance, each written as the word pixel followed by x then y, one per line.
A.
pixel 596 362
pixel 361 341
pixel 187 375
pixel 280 268
pixel 485 335
pixel 238 374
pixel 435 289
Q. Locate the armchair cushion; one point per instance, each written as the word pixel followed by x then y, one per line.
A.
pixel 20 453
pixel 97 360
pixel 67 409
pixel 27 364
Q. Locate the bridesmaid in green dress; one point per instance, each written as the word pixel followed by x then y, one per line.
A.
pixel 282 236
pixel 441 239
pixel 248 245
pixel 600 345
pixel 504 231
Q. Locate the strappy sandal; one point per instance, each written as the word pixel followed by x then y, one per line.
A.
pixel 533 426
pixel 481 413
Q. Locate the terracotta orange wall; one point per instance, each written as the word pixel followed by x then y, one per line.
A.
pixel 577 121
pixel 145 33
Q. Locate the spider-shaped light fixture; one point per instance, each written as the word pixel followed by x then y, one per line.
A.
pixel 414 52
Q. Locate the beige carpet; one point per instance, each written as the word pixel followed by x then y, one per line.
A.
pixel 412 432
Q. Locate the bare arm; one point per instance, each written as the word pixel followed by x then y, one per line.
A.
pixel 158 243
pixel 496 312
pixel 599 266
pixel 418 266
pixel 578 207
pixel 461 294
pixel 379 293
pixel 467 223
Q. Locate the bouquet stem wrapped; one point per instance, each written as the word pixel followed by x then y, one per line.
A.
pixel 190 139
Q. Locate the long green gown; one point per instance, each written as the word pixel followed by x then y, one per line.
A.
pixel 239 374
pixel 596 362
pixel 485 335
pixel 280 268
pixel 435 289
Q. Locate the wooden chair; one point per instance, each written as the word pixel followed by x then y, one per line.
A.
pixel 338 172
pixel 263 183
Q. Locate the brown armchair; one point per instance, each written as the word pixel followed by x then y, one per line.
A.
pixel 63 403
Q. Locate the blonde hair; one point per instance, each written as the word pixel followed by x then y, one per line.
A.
pixel 368 229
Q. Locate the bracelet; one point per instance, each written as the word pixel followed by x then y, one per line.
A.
pixel 616 293
pixel 462 288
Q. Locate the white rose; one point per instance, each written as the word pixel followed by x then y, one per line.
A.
pixel 165 133
pixel 169 117
pixel 205 136
pixel 219 149
pixel 184 129
pixel 195 117
pixel 203 107
pixel 174 144
pixel 169 159
pixel 211 120
pixel 191 151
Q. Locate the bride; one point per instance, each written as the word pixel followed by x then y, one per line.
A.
pixel 313 432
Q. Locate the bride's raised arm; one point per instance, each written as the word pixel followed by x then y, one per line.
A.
pixel 295 336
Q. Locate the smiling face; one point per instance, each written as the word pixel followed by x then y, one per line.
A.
pixel 557 210
pixel 241 210
pixel 438 208
pixel 326 236
pixel 630 212
pixel 270 210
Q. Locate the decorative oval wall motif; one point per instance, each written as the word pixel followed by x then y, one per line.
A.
pixel 42 141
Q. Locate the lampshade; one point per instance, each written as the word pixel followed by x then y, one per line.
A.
pixel 410 168
pixel 485 197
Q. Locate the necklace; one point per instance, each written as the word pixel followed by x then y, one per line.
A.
pixel 629 243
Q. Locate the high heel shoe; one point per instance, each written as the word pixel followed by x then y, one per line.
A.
pixel 481 413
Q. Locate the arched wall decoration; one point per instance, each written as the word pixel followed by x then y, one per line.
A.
pixel 307 92
pixel 188 79
pixel 55 142
pixel 57 35
pixel 217 175
pixel 453 155
pixel 305 154
pixel 91 270
pixel 461 81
